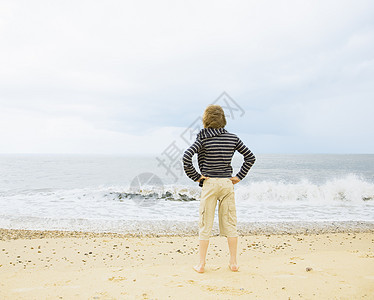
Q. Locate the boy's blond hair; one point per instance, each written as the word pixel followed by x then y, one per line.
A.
pixel 214 117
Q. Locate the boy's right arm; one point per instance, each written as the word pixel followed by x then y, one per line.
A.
pixel 189 169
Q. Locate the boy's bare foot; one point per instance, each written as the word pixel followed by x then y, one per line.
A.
pixel 234 267
pixel 199 268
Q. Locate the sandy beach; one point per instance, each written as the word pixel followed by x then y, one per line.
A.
pixel 78 265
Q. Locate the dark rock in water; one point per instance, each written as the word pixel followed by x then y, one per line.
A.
pixel 184 197
pixel 308 269
pixel 150 196
pixel 121 196
pixel 181 197
pixel 367 198
pixel 167 195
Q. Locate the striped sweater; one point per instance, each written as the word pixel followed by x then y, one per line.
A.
pixel 215 149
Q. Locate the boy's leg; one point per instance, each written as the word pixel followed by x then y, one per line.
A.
pixel 233 246
pixel 207 209
pixel 228 221
pixel 203 249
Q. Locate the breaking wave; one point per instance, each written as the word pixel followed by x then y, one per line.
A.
pixel 350 188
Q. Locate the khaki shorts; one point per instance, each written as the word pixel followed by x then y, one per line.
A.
pixel 221 189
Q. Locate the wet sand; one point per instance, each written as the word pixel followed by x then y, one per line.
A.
pixel 78 265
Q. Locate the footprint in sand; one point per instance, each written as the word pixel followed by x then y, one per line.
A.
pixel 367 255
pixel 289 276
pixel 117 278
pixel 296 258
pixel 226 290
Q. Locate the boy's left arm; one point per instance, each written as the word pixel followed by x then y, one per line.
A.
pixel 249 159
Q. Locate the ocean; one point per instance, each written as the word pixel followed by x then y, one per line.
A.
pixel 143 194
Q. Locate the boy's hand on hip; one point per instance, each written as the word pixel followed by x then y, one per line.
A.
pixel 234 180
pixel 202 177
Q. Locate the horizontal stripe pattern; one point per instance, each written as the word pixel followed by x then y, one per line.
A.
pixel 215 149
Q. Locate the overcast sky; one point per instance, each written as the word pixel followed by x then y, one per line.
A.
pixel 127 77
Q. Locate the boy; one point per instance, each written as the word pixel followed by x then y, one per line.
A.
pixel 215 148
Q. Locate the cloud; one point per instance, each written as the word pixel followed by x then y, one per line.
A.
pixel 30 132
pixel 123 69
